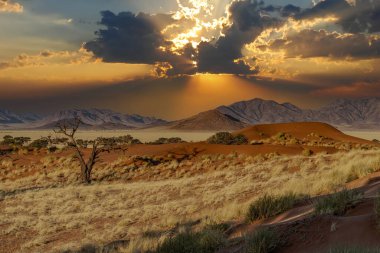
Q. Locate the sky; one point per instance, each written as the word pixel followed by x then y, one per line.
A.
pixel 175 58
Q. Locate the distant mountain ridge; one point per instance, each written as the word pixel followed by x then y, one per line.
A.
pixel 91 118
pixel 262 111
pixel 343 113
pixel 350 113
pixel 8 117
pixel 212 120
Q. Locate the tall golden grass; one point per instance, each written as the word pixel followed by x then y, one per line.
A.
pixel 65 214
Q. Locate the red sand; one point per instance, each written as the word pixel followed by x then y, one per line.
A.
pixel 299 130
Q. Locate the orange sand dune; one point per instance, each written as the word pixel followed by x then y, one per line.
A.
pixel 299 130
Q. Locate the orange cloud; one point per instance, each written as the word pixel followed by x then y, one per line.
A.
pixel 7 6
pixel 362 89
pixel 68 67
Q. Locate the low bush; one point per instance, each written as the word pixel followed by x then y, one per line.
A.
pixel 307 152
pixel 16 141
pixel 269 206
pixel 227 138
pixel 264 240
pixel 239 140
pixel 207 241
pixel 171 140
pixel 52 149
pixel 281 136
pixel 338 203
pixel 39 143
pixel 118 141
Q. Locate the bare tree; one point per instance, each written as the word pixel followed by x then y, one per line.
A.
pixel 69 129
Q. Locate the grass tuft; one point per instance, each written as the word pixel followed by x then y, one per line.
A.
pixel 269 206
pixel 338 203
pixel 264 240
pixel 207 241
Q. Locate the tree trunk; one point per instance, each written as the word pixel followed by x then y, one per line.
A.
pixel 85 172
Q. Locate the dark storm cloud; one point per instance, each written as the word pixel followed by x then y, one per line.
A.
pixel 289 10
pixel 248 19
pixel 310 43
pixel 130 38
pixel 127 38
pixel 285 11
pixel 364 16
pixel 134 38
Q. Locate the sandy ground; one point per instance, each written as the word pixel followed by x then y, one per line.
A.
pixel 368 135
pixel 146 135
pixel 142 135
pixel 44 208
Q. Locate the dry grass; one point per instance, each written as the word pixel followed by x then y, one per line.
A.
pixel 65 214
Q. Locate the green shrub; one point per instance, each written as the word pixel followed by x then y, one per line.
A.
pixel 221 138
pixel 39 143
pixel 17 141
pixel 338 203
pixel 117 141
pixel 207 241
pixel 212 240
pixel 7 140
pixel 264 240
pixel 82 143
pixel 307 152
pixel 280 136
pixel 269 206
pixel 353 249
pixel 172 140
pixel 52 149
pixel 239 140
pixel 227 138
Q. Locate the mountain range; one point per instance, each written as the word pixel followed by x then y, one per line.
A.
pixel 342 113
pixel 91 118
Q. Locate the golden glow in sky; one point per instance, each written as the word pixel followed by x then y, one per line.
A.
pixel 265 44
pixel 201 23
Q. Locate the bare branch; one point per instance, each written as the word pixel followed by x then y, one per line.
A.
pixel 68 127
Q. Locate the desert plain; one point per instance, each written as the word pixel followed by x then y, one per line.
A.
pixel 296 187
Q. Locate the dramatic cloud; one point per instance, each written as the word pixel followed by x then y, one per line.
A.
pixel 309 43
pixel 361 89
pixel 28 73
pixel 157 40
pixel 130 38
pixel 137 38
pixel 8 6
pixel 285 11
pixel 356 17
pixel 48 57
pixel 247 20
pixel 248 39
